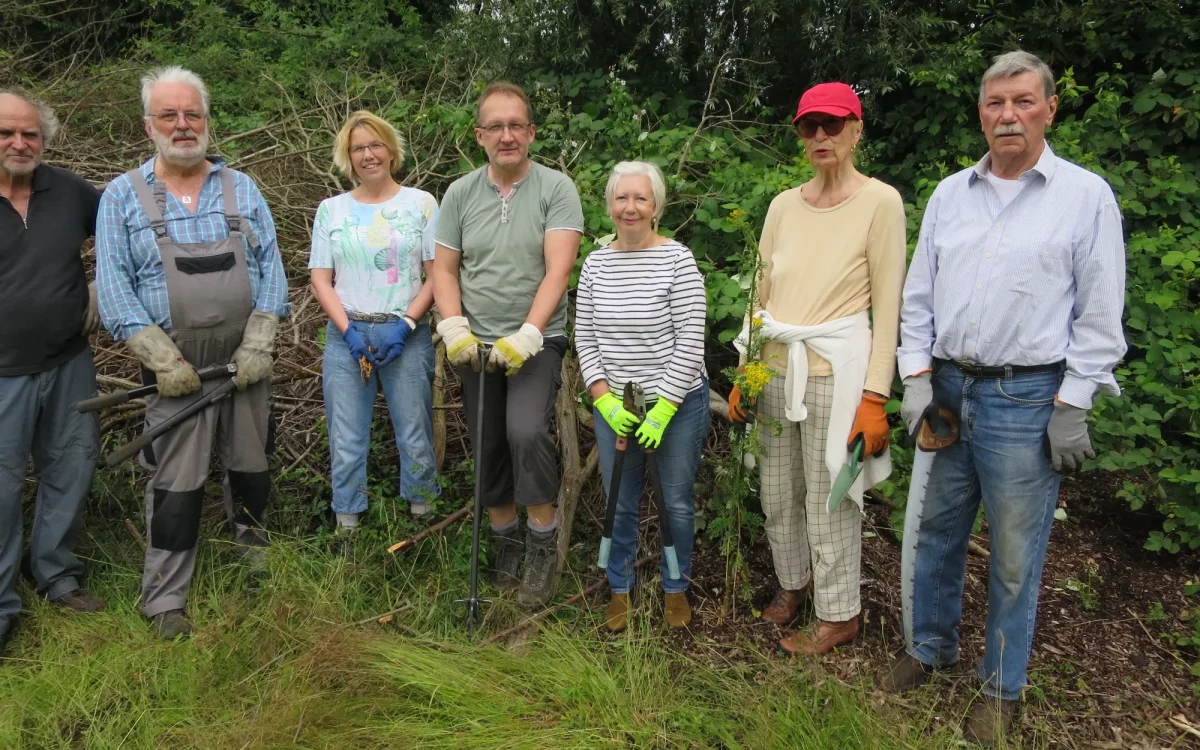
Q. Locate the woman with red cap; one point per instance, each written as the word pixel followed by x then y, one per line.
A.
pixel 832 256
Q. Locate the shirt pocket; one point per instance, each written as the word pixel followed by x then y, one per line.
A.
pixel 1038 267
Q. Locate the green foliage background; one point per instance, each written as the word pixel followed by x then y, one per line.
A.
pixel 704 89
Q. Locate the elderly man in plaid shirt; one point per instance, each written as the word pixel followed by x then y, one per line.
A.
pixel 189 275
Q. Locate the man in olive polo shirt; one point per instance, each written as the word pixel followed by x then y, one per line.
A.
pixel 507 238
pixel 46 315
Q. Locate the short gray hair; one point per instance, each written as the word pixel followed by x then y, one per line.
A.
pixel 172 74
pixel 1014 64
pixel 47 120
pixel 658 186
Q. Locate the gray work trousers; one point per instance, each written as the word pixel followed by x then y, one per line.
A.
pixel 237 427
pixel 38 417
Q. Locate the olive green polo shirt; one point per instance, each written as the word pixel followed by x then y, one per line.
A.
pixel 502 242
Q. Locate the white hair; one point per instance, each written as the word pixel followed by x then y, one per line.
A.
pixel 47 120
pixel 172 74
pixel 1014 64
pixel 658 185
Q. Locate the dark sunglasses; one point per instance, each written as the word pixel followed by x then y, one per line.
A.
pixel 807 126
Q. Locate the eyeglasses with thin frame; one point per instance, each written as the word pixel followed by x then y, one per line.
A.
pixel 170 116
pixel 374 147
pixel 807 126
pixel 496 128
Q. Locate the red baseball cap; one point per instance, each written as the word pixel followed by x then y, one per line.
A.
pixel 835 99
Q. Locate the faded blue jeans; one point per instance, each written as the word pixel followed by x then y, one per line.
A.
pixel 678 460
pixel 407 385
pixel 999 459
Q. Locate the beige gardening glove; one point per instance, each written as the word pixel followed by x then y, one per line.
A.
pixel 91 316
pixel 462 346
pixel 510 352
pixel 253 357
pixel 158 353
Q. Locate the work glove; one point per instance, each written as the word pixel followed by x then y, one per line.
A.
pixel 393 343
pixel 91 316
pixel 918 394
pixel 614 412
pixel 736 412
pixel 510 352
pixel 253 356
pixel 871 422
pixel 354 342
pixel 158 353
pixel 1070 445
pixel 462 346
pixel 650 434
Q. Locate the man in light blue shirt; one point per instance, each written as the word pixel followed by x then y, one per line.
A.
pixel 1012 321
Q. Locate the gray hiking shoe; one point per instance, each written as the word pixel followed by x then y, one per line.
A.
pixel 171 624
pixel 250 544
pixel 506 568
pixel 80 601
pixel 541 569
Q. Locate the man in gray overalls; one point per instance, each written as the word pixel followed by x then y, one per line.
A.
pixel 189 275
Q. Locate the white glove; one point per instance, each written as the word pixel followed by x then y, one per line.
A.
pixel 462 346
pixel 511 352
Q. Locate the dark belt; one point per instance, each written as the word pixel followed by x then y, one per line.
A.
pixel 374 317
pixel 1003 371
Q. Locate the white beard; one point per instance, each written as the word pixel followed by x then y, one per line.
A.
pixel 182 155
pixel 22 170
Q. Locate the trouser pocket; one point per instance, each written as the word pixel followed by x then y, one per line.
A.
pixel 175 523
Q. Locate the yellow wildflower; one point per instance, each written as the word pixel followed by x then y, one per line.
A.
pixel 757 376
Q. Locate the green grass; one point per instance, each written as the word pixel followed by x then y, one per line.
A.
pixel 280 659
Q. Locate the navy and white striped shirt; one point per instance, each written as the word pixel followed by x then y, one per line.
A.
pixel 1038 281
pixel 639 317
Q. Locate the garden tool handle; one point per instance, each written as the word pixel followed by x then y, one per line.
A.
pixel 614 486
pixel 120 397
pixel 146 438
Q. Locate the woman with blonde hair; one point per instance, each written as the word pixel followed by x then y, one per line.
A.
pixel 832 253
pixel 371 248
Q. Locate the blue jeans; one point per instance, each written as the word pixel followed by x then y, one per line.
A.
pixel 1000 460
pixel 678 459
pixel 349 408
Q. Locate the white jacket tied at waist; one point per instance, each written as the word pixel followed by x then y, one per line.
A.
pixel 846 344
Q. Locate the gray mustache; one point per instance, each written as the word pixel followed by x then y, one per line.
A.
pixel 1014 129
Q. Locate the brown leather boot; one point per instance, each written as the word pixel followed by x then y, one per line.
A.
pixel 989 720
pixel 678 612
pixel 785 606
pixel 617 616
pixel 903 674
pixel 821 638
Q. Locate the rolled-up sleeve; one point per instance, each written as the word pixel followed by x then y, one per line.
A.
pixel 272 287
pixel 688 310
pixel 917 325
pixel 121 312
pixel 1097 340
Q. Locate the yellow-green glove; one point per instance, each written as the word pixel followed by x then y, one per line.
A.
pixel 614 412
pixel 650 434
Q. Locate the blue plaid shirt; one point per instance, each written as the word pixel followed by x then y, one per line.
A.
pixel 130 283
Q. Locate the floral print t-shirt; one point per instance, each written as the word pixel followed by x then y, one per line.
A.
pixel 375 249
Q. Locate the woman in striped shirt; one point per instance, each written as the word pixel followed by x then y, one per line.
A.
pixel 640 310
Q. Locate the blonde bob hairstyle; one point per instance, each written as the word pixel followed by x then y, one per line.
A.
pixel 380 128
pixel 658 186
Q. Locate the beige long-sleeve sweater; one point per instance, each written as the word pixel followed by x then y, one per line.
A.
pixel 821 264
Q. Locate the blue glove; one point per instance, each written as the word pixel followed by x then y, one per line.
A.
pixel 354 340
pixel 393 343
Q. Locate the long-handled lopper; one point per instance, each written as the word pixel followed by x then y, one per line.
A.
pixel 614 486
pixel 472 613
pixel 133 446
pixel 115 398
pixel 660 503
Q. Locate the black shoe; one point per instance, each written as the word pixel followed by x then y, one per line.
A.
pixel 80 601
pixel 508 550
pixel 541 569
pixel 171 624
pixel 250 544
pixel 7 636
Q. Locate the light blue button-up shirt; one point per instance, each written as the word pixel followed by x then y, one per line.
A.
pixel 131 287
pixel 1035 282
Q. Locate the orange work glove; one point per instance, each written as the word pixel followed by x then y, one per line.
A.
pixel 871 421
pixel 736 412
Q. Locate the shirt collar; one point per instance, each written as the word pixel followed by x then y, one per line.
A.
pixel 148 166
pixel 1046 166
pixel 42 178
